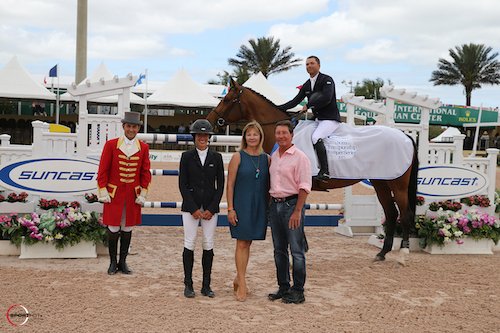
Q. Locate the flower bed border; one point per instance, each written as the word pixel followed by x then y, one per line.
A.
pixel 83 249
pixel 469 246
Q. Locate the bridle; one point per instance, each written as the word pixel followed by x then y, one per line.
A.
pixel 221 122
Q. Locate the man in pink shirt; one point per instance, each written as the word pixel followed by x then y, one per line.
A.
pixel 290 174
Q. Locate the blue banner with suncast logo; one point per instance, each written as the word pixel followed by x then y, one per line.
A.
pixel 70 176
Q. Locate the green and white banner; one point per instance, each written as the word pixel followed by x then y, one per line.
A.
pixel 448 115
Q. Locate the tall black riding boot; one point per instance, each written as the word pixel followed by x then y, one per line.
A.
pixel 113 248
pixel 206 262
pixel 188 260
pixel 323 160
pixel 125 237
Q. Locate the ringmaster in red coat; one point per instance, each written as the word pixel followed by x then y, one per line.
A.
pixel 123 180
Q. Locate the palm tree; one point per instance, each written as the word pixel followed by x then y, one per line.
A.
pixel 264 55
pixel 472 66
pixel 369 88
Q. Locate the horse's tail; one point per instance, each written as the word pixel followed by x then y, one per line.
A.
pixel 412 186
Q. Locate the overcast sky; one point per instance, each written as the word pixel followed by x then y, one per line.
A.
pixel 356 39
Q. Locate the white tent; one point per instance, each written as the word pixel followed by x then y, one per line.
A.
pixel 260 84
pixel 181 90
pixel 16 82
pixel 447 135
pixel 102 72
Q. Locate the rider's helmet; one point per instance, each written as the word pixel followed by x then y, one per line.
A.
pixel 201 126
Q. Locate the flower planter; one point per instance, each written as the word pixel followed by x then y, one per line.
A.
pixel 8 249
pixel 91 207
pixel 48 250
pixel 469 246
pixel 414 243
pixel 17 207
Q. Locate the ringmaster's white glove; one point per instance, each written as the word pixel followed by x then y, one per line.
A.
pixel 103 196
pixel 140 200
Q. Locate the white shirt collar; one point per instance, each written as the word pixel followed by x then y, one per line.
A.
pixel 313 80
pixel 128 141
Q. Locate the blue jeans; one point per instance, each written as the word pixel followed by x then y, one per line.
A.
pixel 283 236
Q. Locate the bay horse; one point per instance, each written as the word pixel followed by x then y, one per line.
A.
pixel 242 104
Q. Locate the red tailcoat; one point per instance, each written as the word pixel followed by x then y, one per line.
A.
pixel 124 178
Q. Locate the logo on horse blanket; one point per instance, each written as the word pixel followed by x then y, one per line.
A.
pixel 367 152
pixel 340 148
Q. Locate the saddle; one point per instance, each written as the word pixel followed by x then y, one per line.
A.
pixel 367 152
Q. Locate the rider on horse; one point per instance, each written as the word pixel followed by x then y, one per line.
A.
pixel 320 93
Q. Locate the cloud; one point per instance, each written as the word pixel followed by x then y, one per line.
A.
pixel 326 32
pixel 385 31
pixel 120 29
pixel 379 51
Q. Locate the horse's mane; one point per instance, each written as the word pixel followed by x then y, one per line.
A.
pixel 266 99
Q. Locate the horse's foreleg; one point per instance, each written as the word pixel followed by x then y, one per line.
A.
pixel 390 228
pixel 384 196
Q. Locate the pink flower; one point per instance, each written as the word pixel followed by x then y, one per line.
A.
pixel 36 236
pixel 459 241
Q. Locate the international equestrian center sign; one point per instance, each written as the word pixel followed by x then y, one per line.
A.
pixel 50 176
pixel 445 115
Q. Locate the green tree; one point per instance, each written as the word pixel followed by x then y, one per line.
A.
pixel 472 65
pixel 240 75
pixel 369 88
pixel 264 55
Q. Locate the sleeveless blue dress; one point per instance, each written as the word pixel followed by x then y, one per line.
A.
pixel 251 197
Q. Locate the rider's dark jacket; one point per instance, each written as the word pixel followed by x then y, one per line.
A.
pixel 321 100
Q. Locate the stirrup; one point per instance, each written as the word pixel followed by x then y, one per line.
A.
pixel 323 176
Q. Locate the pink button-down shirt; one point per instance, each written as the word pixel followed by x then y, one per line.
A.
pixel 289 173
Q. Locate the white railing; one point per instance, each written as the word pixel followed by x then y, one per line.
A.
pixel 440 153
pixel 9 152
pixel 100 129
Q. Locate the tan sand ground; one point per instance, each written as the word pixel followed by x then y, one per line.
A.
pixel 345 290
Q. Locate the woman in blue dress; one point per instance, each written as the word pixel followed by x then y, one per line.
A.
pixel 247 199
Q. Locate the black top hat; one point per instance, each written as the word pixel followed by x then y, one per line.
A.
pixel 132 118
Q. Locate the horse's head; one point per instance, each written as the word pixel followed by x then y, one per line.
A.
pixel 230 109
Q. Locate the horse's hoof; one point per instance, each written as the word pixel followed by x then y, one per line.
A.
pixel 404 254
pixel 379 257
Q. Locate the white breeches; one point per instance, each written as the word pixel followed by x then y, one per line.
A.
pixel 324 129
pixel 191 227
pixel 122 226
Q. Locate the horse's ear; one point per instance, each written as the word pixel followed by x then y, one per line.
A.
pixel 233 83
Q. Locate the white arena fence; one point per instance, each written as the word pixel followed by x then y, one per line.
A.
pixel 94 130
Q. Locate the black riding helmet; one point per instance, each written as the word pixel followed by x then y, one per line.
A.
pixel 201 126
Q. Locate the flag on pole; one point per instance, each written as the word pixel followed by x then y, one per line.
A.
pixel 53 71
pixel 139 80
